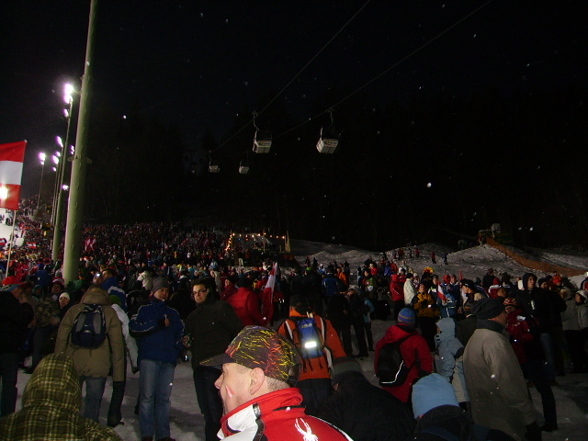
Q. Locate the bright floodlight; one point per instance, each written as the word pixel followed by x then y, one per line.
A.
pixel 55 159
pixel 59 141
pixel 42 157
pixel 68 90
pixel 3 193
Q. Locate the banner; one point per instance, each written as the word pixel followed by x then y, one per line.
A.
pixel 11 159
pixel 267 296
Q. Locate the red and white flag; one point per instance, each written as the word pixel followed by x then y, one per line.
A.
pixel 267 296
pixel 11 159
pixel 440 293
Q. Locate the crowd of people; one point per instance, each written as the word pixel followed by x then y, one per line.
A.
pixel 288 336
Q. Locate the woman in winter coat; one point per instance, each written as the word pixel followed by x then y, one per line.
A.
pixel 449 359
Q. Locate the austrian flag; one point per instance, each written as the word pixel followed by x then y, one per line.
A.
pixel 11 159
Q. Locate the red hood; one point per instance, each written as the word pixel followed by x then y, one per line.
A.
pixel 397 332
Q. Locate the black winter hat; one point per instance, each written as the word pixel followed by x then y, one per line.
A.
pixel 487 308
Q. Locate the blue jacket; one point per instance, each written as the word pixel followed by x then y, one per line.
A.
pixel 155 341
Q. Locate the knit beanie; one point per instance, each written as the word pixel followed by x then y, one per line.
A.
pixel 158 283
pixel 406 316
pixel 432 391
pixel 487 308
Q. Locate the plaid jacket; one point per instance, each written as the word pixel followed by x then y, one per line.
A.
pixel 51 408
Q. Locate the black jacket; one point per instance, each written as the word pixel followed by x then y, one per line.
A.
pixel 365 412
pixel 211 327
pixel 14 318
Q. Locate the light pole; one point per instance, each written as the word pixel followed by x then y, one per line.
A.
pixel 68 92
pixel 42 157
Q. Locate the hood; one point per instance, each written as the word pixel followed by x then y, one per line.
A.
pixel 446 328
pixel 526 278
pixel 54 383
pixel 109 283
pixel 396 332
pixel 95 297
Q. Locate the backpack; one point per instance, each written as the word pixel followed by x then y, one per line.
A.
pixel 391 369
pixel 89 327
pixel 311 343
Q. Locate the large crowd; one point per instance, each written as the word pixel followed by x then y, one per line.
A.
pixel 172 292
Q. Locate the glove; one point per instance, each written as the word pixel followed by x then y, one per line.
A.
pixel 533 432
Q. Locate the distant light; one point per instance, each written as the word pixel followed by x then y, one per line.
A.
pixel 55 159
pixel 124 116
pixel 59 141
pixel 65 187
pixel 429 185
pixel 42 157
pixel 68 90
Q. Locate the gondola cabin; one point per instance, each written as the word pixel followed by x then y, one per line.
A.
pixel 262 142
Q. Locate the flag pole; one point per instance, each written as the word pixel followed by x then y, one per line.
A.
pixel 11 241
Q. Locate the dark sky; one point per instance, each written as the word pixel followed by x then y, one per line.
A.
pixel 199 64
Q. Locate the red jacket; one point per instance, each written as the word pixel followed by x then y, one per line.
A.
pixel 246 306
pixel 397 287
pixel 415 352
pixel 278 415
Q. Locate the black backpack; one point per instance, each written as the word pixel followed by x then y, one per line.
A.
pixel 391 369
pixel 89 327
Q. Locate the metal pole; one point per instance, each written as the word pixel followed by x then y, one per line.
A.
pixel 57 216
pixel 40 185
pixel 75 211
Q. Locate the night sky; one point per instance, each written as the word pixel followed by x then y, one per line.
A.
pixel 199 65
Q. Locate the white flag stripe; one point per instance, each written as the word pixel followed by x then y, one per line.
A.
pixel 10 172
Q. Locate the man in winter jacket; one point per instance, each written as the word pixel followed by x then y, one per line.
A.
pixel 51 407
pixel 544 307
pixel 414 351
pixel 364 411
pixel 498 391
pixel 246 304
pixel 159 333
pixel 258 368
pixel 93 365
pixel 209 330
pixel 15 315
pixel 315 379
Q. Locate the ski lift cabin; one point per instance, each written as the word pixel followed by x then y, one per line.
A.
pixel 244 167
pixel 262 142
pixel 328 142
pixel 214 167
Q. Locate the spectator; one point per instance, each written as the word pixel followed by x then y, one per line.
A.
pixel 51 405
pixel 246 304
pixel 449 359
pixel 258 369
pixel 439 418
pixel 159 332
pixel 209 330
pixel 93 365
pixel 414 351
pixel 315 378
pixel 15 316
pixel 498 391
pixel 364 411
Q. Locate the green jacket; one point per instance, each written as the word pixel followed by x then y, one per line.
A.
pixel 51 407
